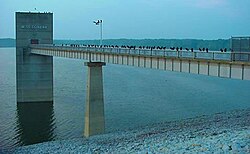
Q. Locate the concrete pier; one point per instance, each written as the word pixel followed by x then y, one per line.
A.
pixel 94 109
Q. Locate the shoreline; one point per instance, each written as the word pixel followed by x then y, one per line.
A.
pixel 221 132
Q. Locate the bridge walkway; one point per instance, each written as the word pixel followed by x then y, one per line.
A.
pixel 229 65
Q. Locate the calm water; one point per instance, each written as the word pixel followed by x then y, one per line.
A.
pixel 133 97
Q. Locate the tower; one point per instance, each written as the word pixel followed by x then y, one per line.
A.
pixel 34 73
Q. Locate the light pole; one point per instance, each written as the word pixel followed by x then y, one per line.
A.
pixel 99 22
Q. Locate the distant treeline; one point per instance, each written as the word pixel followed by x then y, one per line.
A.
pixel 7 42
pixel 185 43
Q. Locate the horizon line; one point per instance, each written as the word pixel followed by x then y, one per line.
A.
pixel 135 39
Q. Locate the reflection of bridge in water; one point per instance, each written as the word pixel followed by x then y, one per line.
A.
pixel 34 70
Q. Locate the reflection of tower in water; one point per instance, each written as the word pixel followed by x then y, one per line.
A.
pixel 36 122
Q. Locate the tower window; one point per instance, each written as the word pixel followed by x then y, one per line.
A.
pixel 34 41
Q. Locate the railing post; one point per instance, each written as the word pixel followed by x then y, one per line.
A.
pixel 89 56
pixel 213 56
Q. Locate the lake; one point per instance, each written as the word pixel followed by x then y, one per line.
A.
pixel 134 97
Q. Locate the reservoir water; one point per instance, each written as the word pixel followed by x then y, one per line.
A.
pixel 134 97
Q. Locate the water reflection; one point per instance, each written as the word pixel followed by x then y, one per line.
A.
pixel 35 122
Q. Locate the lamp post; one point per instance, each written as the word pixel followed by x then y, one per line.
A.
pixel 99 23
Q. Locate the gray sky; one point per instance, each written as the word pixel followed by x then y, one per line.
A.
pixel 73 19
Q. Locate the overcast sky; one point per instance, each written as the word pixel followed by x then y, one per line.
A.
pixel 73 19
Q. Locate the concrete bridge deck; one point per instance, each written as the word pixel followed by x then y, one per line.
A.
pixel 229 65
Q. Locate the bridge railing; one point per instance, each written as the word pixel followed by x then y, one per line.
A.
pixel 212 55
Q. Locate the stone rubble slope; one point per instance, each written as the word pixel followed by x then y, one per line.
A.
pixel 227 132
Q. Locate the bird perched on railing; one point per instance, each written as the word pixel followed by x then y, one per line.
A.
pixel 172 48
pixel 200 49
pixel 177 48
pixel 192 49
pixel 225 50
pixel 221 50
pixel 159 47
pixel 187 49
pixel 206 49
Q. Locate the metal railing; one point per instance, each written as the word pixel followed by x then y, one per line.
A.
pixel 211 55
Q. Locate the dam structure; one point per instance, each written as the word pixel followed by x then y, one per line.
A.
pixel 34 62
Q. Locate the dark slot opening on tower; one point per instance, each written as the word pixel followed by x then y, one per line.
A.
pixel 34 41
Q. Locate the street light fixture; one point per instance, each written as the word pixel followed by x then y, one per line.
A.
pixel 99 22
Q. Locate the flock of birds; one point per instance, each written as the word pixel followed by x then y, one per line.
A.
pixel 143 47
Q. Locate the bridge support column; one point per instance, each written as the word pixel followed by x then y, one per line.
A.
pixel 94 109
